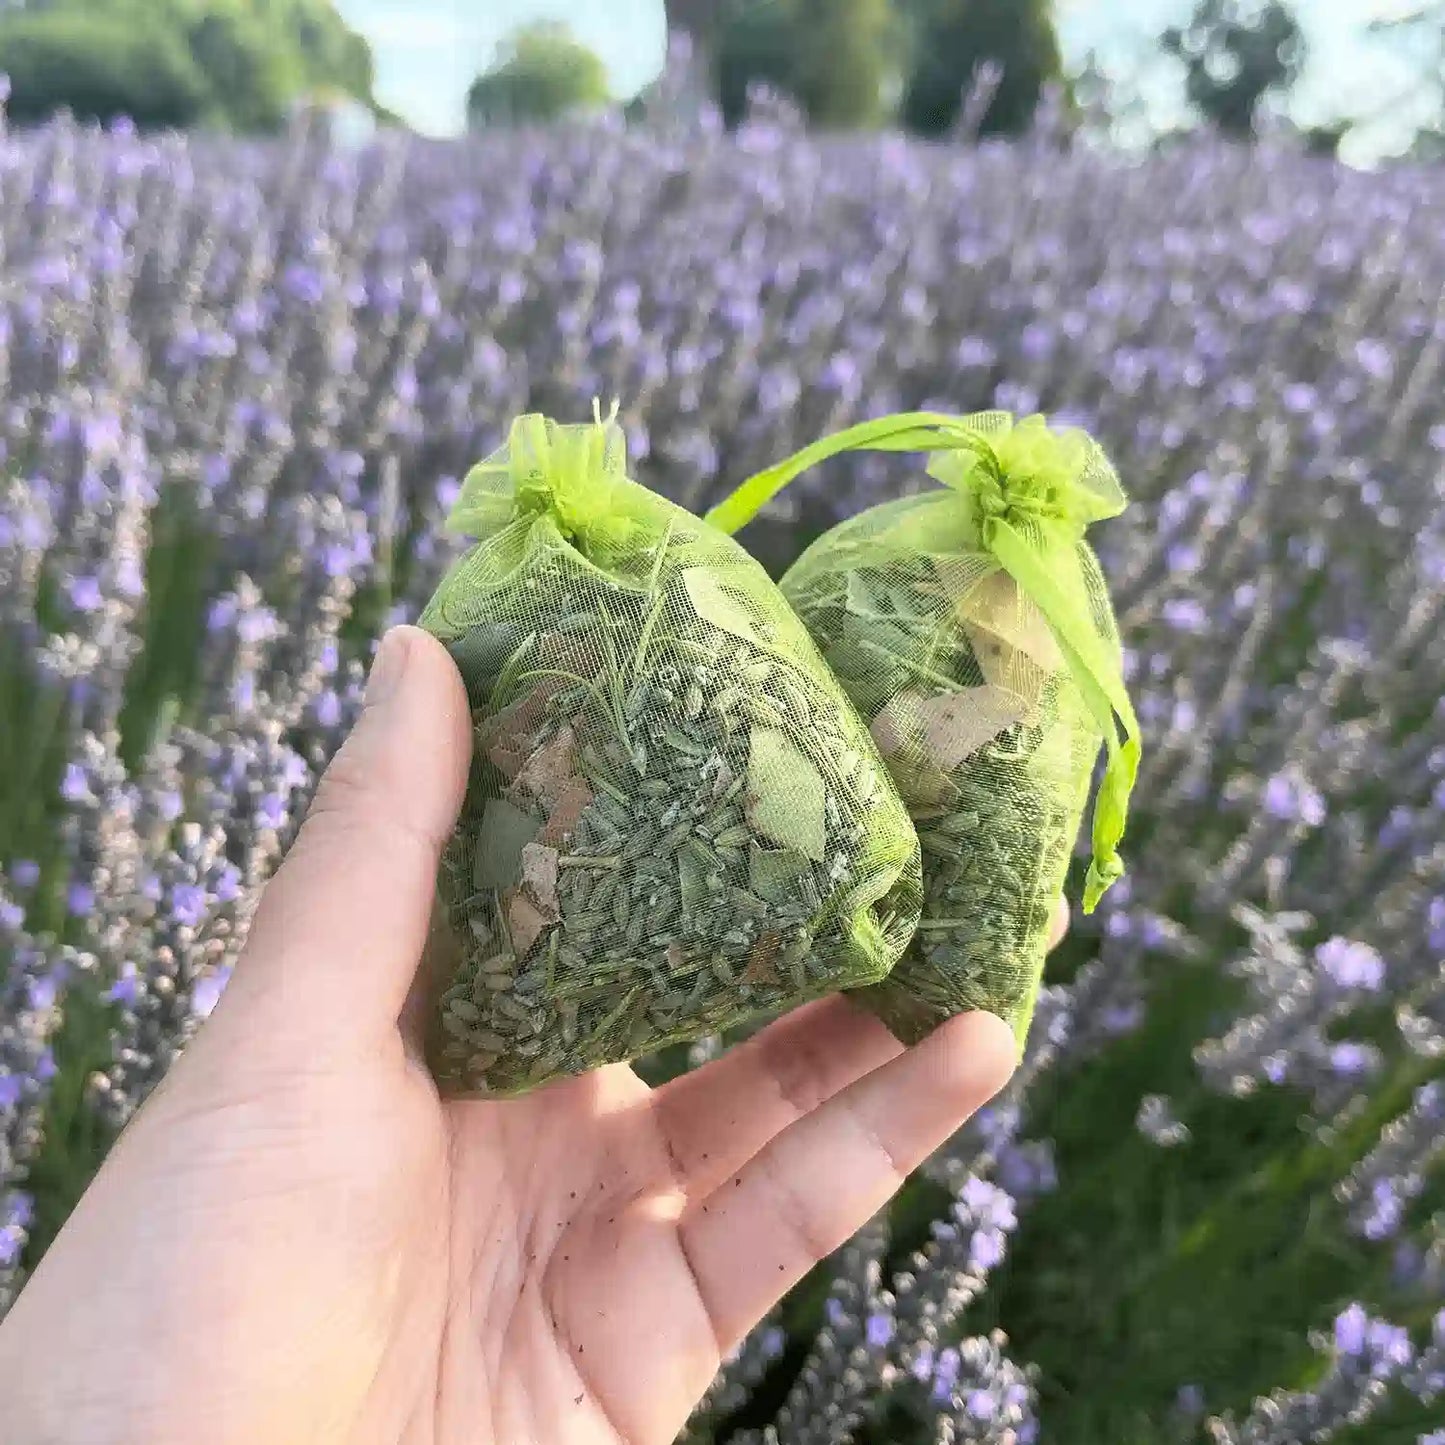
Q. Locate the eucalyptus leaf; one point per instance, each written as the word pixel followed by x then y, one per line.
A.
pixel 549 770
pixel 723 606
pixel 998 606
pixel 949 727
pixel 785 794
pixel 539 874
pixel 692 884
pixel 526 921
pixel 505 832
pixel 482 653
pixel 773 873
pixel 872 599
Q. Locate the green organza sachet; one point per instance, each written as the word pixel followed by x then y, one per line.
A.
pixel 675 820
pixel 972 628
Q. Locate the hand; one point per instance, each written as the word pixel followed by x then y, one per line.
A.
pixel 296 1240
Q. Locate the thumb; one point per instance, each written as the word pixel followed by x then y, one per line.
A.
pixel 341 927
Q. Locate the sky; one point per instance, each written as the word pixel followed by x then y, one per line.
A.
pixel 429 51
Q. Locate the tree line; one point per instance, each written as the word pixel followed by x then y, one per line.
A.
pixel 245 64
pixel 234 64
pixel 852 63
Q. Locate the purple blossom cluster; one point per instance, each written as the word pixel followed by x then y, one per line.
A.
pixel 238 386
pixel 38 971
pixel 1380 1189
pixel 1366 1355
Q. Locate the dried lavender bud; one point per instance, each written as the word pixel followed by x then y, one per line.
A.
pixel 675 821
pixel 972 629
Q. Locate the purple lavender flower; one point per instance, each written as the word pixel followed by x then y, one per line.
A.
pixel 207 993
pixel 1189 1401
pixel 1390 1345
pixel 1352 1330
pixel 922 1367
pixel 1351 1058
pixel 1290 799
pixel 1351 965
pixel 127 988
pixel 981 1405
pixel 16 1213
pixel 85 594
pixel 74 785
pixel 945 1373
pixel 188 904
pixel 986 1249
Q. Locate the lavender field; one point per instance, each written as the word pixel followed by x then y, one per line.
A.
pixel 238 386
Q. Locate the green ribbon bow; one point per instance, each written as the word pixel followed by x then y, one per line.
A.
pixel 571 474
pixel 1031 493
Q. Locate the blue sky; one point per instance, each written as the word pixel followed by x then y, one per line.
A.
pixel 428 51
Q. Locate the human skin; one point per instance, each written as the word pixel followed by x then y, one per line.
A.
pixel 297 1240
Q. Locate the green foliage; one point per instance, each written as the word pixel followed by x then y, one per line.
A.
pixel 332 55
pixel 1234 54
pixel 701 19
pixel 1326 140
pixel 843 59
pixel 1418 34
pixel 1223 1254
pixel 542 74
pixel 755 48
pixel 832 56
pixel 235 63
pixel 100 67
pixel 308 40
pixel 1428 145
pixel 252 77
pixel 952 38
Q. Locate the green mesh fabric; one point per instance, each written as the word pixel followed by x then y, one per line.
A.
pixel 675 820
pixel 972 629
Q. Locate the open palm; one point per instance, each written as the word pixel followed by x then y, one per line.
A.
pixel 297 1240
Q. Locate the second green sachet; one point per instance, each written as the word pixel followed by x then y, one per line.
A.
pixel 675 819
pixel 972 628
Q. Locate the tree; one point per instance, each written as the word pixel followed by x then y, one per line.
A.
pixel 541 74
pixel 252 77
pixel 840 59
pixel 701 19
pixel 831 56
pixel 248 61
pixel 953 38
pixel 100 67
pixel 1093 92
pixel 332 55
pixel 1234 53
pixel 1420 34
pixel 1326 138
pixel 755 47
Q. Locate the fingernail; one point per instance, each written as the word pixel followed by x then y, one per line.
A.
pixel 388 668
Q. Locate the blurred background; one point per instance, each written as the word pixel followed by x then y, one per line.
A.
pixel 274 273
pixel 1362 78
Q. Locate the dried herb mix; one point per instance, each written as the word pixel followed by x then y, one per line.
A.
pixel 972 629
pixel 675 820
